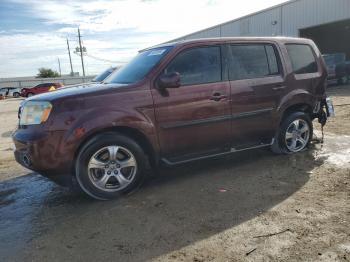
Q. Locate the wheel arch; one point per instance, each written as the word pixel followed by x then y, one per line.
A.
pixel 297 100
pixel 130 132
pixel 299 107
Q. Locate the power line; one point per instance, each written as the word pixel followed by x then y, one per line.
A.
pixel 105 60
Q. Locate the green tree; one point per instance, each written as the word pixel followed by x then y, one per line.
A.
pixel 46 72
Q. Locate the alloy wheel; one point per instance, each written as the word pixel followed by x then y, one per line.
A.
pixel 297 135
pixel 112 168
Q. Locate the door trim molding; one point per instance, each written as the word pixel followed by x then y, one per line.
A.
pixel 210 120
pixel 196 122
pixel 252 113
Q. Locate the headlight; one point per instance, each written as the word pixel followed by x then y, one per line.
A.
pixel 35 112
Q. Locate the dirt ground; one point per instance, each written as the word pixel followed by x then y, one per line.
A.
pixel 253 206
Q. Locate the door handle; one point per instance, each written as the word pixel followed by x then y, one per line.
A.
pixel 279 87
pixel 217 96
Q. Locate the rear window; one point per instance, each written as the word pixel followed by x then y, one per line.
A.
pixel 302 58
pixel 252 61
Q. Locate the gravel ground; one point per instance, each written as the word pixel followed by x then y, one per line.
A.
pixel 253 206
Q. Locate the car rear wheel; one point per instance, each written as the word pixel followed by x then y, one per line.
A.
pixel 110 164
pixel 294 134
pixel 15 94
pixel 30 94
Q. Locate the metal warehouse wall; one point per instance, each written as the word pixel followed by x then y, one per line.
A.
pixel 285 19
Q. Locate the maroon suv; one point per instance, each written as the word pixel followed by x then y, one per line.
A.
pixel 173 104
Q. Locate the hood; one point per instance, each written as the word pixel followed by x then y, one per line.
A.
pixel 71 91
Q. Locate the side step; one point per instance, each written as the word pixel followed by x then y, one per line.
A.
pixel 233 150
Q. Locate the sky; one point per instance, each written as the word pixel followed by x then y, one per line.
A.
pixel 33 33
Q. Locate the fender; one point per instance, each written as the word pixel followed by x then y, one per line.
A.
pixel 79 119
pixel 94 122
pixel 297 96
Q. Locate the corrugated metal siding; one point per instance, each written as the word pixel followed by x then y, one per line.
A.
pixel 308 13
pixel 285 19
pixel 266 23
pixel 230 29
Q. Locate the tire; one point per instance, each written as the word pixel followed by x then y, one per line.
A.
pixel 291 138
pixel 99 166
pixel 16 95
pixel 30 94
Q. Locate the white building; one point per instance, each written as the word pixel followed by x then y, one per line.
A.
pixel 327 22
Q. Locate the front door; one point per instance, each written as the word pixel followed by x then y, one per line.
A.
pixel 194 119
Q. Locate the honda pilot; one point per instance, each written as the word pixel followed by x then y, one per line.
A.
pixel 172 104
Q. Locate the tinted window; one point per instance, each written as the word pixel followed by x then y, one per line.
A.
pixel 252 61
pixel 138 67
pixel 272 60
pixel 302 58
pixel 198 65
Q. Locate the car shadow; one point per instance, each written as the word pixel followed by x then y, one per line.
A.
pixel 180 206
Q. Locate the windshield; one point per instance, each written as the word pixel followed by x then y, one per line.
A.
pixel 138 67
pixel 103 75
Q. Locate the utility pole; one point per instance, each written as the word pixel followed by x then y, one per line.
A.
pixel 70 60
pixel 81 53
pixel 59 65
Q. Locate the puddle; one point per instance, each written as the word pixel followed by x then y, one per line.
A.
pixel 336 149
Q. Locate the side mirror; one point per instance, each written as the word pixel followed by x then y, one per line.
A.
pixel 171 80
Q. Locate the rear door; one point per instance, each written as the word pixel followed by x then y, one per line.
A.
pixel 257 84
pixel 194 119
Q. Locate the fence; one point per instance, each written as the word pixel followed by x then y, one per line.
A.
pixel 30 82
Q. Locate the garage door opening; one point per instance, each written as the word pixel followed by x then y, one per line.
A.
pixel 330 38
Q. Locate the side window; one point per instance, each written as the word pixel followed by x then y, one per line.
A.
pixel 302 58
pixel 272 60
pixel 252 61
pixel 48 85
pixel 197 66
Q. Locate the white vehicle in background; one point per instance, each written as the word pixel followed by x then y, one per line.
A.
pixel 10 91
pixel 14 92
pixel 2 94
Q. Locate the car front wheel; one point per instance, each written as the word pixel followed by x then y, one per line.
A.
pixel 110 164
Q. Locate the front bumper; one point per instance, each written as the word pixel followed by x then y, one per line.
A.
pixel 43 153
